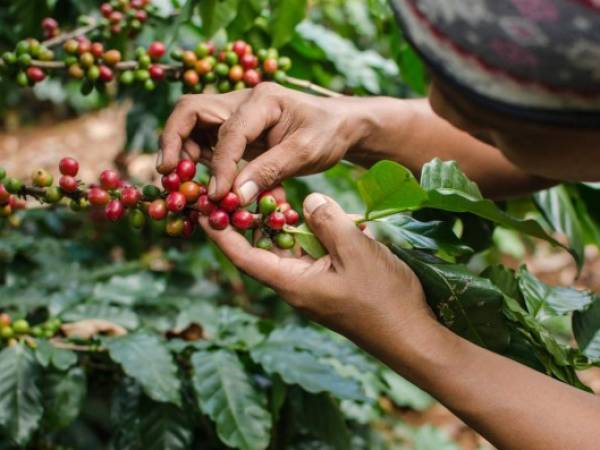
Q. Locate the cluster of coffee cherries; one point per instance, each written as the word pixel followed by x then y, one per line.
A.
pixel 120 16
pixel 18 63
pixel 147 72
pixel 179 204
pixel 12 331
pixel 234 67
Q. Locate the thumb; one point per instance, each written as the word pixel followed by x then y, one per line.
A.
pixel 335 229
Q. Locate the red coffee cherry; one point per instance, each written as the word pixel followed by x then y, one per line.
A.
pixel 275 220
pixel 112 57
pixel 114 210
pixel 218 219
pixel 106 9
pixel 190 190
pixel 115 17
pixel 109 180
pixel 189 227
pixel 171 182
pixel 249 62
pixel 291 216
pixel 191 78
pixel 156 50
pixel 270 66
pixel 106 74
pixel 35 74
pixel 239 47
pixel 157 209
pixel 141 15
pixel 230 202
pixel 242 219
pixel 49 25
pixel 251 77
pixel 4 195
pixel 157 73
pixel 16 203
pixel 97 49
pixel 205 205
pixel 130 196
pixel 68 183
pixel 68 166
pixel 236 73
pixel 186 170
pixel 98 196
pixel 176 202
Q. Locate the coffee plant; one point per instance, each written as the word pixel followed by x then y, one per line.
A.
pixel 123 327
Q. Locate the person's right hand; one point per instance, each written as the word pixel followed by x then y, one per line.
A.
pixel 281 131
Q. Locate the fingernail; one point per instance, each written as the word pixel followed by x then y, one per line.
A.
pixel 312 202
pixel 247 191
pixel 212 186
pixel 159 158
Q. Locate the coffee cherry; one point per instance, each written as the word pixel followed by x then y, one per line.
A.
pixel 222 69
pixel 68 183
pixel 224 86
pixel 5 320
pixel 205 205
pixel 239 47
pixel 53 195
pixel 49 24
pixel 75 71
pixel 98 196
pixel 231 58
pixel 151 192
pixel 190 190
pixel 20 326
pixel 186 170
pixel 176 202
pixel 71 46
pixel 174 226
pixel 106 9
pixel 203 66
pixel 242 219
pixel 249 62
pixel 291 217
pixel 137 218
pixel 127 77
pixel 68 166
pixel 115 17
pixel 236 73
pixel 202 50
pixel 141 17
pixel 284 63
pixel 105 74
pixel 157 73
pixel 157 209
pixel 111 57
pixel 130 196
pixel 171 182
pixel 270 66
pixel 13 185
pixel 6 210
pixel 144 61
pixel 189 226
pixel 109 180
pixel 4 195
pixel 17 203
pixel 285 241
pixel 142 75
pixel 188 58
pixel 177 54
pixel 97 49
pixel 42 178
pixel 265 243
pixel 251 77
pixel 267 204
pixel 280 77
pixel 218 219
pixel 114 210
pixel 156 50
pixel 35 74
pixel 275 220
pixel 93 73
pixel 2 173
pixel 230 202
pixel 22 79
pixel 190 78
pixel 87 60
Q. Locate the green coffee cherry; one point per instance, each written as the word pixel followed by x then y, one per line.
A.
pixel 22 47
pixel 150 192
pixel 224 86
pixel 25 60
pixel 2 173
pixel 53 195
pixel 22 79
pixel 6 332
pixel 13 185
pixel 127 77
pixel 20 326
pixel 265 243
pixel 279 77
pixel 149 85
pixel 137 218
pixel 222 70
pixel 267 204
pixel 284 63
pixel 285 241
pixel 142 75
pixel 9 58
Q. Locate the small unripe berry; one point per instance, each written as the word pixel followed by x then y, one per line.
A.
pixel 68 183
pixel 75 71
pixel 284 63
pixel 157 209
pixel 265 243
pixel 93 73
pixel 20 326
pixel 112 57
pixel 114 210
pixel 218 219
pixel 242 219
pixel 231 58
pixel 236 73
pixel 203 66
pixel 270 66
pixel 190 78
pixel 188 58
pixel 156 50
pixel 130 196
pixel 222 69
pixel 291 217
pixel 171 182
pixel 2 173
pixel 22 79
pixel 267 204
pixel 224 86
pixel 71 46
pixel 176 202
pixel 35 74
pixel 174 226
pixel 13 185
pixel 53 195
pixel 127 77
pixel 186 170
pixel 151 192
pixel 109 180
pixel 190 190
pixel 157 73
pixel 42 178
pixel 5 210
pixel 205 205
pixel 68 166
pixel 137 218
pixel 230 202
pixel 280 77
pixel 284 241
pixel 87 60
pixel 98 196
pixel 275 220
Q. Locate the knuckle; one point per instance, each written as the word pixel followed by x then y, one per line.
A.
pixel 267 87
pixel 269 173
pixel 323 215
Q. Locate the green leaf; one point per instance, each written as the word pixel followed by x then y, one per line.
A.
pixel 60 358
pixel 283 354
pixel 286 14
pixel 586 327
pixel 139 287
pixel 469 305
pixel 20 397
pixel 308 241
pixel 145 358
pixel 542 300
pixel 64 394
pixel 388 188
pixel 439 175
pixel 404 393
pixel 125 415
pixel 225 393
pixel 559 210
pixel 217 14
pixel 164 427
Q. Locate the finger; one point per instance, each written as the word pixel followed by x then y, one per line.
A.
pixel 179 125
pixel 335 229
pixel 266 171
pixel 191 149
pixel 243 127
pixel 260 264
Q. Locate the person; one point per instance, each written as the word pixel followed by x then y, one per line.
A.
pixel 514 99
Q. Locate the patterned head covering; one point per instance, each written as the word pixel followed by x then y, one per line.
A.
pixel 537 60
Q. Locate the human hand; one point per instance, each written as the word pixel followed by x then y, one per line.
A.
pixel 358 289
pixel 283 132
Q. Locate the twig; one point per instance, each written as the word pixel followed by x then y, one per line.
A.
pixel 123 65
pixel 73 34
pixel 311 87
pixel 58 343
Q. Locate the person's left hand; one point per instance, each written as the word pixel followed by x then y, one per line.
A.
pixel 359 286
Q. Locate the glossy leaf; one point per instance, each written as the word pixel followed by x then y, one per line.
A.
pixel 164 427
pixel 308 241
pixel 64 395
pixel 286 14
pixel 216 14
pixel 586 327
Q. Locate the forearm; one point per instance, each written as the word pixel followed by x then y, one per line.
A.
pixel 514 407
pixel 409 132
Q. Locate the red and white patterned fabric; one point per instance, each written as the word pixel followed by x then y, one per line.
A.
pixel 535 59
